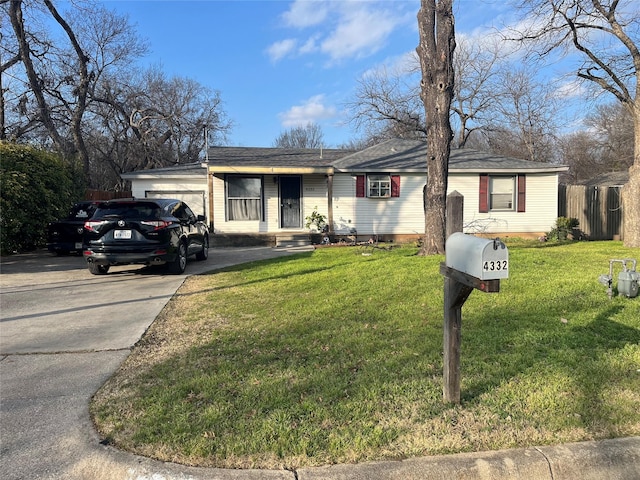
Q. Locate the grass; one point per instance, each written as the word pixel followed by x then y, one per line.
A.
pixel 335 357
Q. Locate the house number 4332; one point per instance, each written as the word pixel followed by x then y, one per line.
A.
pixel 495 265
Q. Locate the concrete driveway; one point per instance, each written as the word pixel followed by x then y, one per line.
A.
pixel 63 332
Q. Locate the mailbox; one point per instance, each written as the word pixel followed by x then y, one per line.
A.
pixel 482 258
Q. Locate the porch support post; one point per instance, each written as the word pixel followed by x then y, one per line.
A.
pixel 210 187
pixel 330 201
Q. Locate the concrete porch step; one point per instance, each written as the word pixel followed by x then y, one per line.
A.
pixel 293 240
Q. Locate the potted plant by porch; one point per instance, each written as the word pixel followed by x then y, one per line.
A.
pixel 317 225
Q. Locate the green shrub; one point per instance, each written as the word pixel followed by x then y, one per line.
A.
pixel 37 187
pixel 316 220
pixel 563 228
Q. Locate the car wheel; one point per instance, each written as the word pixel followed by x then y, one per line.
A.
pixel 180 263
pixel 204 254
pixel 96 269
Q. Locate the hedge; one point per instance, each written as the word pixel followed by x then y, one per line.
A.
pixel 36 187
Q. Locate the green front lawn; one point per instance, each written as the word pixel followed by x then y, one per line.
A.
pixel 335 356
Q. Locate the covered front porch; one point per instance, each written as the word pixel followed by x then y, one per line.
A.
pixel 267 205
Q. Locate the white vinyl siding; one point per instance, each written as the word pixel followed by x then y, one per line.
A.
pixel 314 196
pixel 395 215
pixel 540 215
pixel 402 215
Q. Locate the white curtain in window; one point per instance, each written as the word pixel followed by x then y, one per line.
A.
pixel 244 196
pixel 244 209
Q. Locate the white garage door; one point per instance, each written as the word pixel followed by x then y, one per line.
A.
pixel 193 198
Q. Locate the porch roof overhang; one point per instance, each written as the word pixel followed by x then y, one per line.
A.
pixel 260 170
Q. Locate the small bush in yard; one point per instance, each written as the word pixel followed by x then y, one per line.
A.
pixel 564 228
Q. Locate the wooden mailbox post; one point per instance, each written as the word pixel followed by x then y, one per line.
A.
pixel 470 263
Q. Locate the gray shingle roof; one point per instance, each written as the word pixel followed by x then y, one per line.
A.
pixel 611 179
pixel 399 155
pixel 274 157
pixel 391 156
pixel 188 169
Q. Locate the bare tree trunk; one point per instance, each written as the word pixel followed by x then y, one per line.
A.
pixel 631 191
pixel 82 90
pixel 437 43
pixel 17 22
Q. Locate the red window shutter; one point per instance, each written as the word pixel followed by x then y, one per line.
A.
pixel 484 193
pixel 522 192
pixel 395 185
pixel 360 186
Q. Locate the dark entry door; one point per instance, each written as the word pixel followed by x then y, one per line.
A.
pixel 290 202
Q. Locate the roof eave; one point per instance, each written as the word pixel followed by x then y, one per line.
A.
pixel 457 170
pixel 148 176
pixel 510 170
pixel 213 169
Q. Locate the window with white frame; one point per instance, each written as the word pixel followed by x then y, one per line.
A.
pixel 244 197
pixel 502 192
pixel 379 186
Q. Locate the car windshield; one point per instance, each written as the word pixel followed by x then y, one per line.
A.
pixel 128 210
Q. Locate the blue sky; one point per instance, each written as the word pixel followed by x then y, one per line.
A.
pixel 279 64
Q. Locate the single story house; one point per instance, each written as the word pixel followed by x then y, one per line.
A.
pixel 376 192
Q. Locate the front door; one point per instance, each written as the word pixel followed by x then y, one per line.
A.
pixel 290 202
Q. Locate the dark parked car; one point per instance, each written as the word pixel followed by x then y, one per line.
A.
pixel 149 232
pixel 65 235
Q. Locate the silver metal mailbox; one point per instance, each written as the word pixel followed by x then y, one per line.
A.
pixel 482 258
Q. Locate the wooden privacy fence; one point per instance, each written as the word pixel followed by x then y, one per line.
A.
pixel 104 195
pixel 597 208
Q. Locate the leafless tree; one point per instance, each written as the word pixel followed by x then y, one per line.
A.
pixel 580 152
pixel 309 136
pixel 387 104
pixel 154 121
pixel 612 126
pixel 48 91
pixel 523 124
pixel 475 94
pixel 605 33
pixel 606 145
pixel 435 50
pixel 62 72
pixel 81 94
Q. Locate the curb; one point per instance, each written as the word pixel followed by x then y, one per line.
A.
pixel 614 459
pixel 617 459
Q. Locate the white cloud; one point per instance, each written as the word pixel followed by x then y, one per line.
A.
pixel 279 50
pixel 360 32
pixel 570 89
pixel 311 110
pixel 340 30
pixel 305 13
pixel 310 45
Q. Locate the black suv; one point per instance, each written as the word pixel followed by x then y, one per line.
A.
pixel 65 235
pixel 149 232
